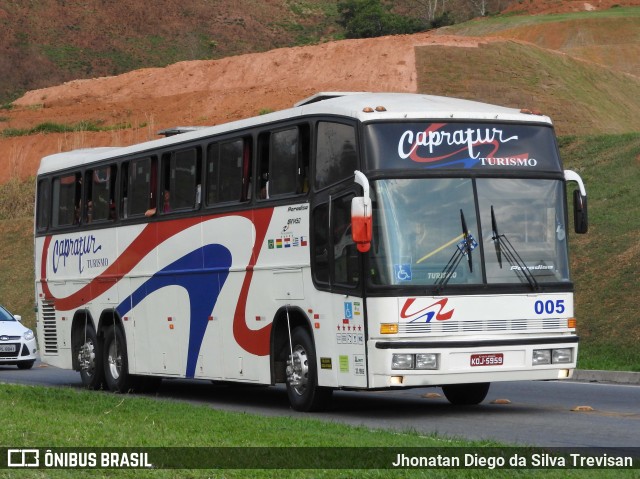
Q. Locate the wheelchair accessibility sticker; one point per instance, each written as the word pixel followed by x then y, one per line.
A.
pixel 402 271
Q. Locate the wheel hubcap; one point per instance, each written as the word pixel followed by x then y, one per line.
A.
pixel 298 370
pixel 114 361
pixel 87 358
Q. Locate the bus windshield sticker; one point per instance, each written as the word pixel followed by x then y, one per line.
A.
pixel 457 146
pixel 402 271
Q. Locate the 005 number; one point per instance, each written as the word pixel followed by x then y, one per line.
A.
pixel 549 307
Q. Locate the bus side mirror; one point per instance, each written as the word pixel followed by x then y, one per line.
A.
pixel 361 222
pixel 580 215
pixel 361 229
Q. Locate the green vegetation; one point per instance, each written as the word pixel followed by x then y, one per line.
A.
pixel 372 18
pixel 52 417
pixel 605 260
pixel 496 24
pixel 52 127
pixel 580 97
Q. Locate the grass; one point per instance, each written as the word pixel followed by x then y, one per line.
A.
pixel 53 127
pixel 604 261
pixel 580 97
pixel 51 417
pixel 495 24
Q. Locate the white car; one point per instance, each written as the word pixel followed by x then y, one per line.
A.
pixel 17 343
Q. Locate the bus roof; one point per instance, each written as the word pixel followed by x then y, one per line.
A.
pixel 363 106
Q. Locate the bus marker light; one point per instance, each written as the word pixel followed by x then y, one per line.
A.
pixel 317 325
pixel 381 108
pixel 572 323
pixel 171 326
pixel 389 328
pixel 396 380
pixel 367 109
pixel 210 318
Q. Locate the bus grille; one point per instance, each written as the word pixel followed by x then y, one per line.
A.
pixel 49 328
pixel 486 326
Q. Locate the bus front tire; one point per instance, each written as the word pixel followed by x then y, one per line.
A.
pixel 116 365
pixel 466 394
pixel 302 375
pixel 90 360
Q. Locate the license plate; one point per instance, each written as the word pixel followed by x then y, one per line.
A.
pixel 495 359
pixel 7 348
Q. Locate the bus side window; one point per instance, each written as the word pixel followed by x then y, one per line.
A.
pixel 44 205
pixel 284 162
pixel 141 186
pixel 180 173
pixel 67 200
pixel 100 204
pixel 336 156
pixel 227 172
pixel 320 243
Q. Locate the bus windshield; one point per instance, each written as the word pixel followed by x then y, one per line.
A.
pixel 427 232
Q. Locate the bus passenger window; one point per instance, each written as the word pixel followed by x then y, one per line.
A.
pixel 67 200
pixel 43 208
pixel 179 178
pixel 226 171
pixel 336 157
pixel 100 194
pixel 284 162
pixel 140 198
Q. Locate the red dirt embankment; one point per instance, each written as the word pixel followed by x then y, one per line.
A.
pixel 207 92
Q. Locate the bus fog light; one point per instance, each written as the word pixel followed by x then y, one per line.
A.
pixel 427 361
pixel 541 356
pixel 402 361
pixel 561 356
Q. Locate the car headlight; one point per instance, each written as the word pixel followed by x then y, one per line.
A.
pixel 28 335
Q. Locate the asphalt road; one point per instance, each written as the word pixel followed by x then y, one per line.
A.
pixel 546 414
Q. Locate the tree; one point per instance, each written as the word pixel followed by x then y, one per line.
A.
pixel 371 18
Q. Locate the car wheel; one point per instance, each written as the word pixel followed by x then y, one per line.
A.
pixel 90 360
pixel 116 365
pixel 26 364
pixel 302 375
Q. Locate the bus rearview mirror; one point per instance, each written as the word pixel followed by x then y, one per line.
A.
pixel 580 216
pixel 361 222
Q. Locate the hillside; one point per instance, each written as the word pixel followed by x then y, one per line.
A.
pixel 581 96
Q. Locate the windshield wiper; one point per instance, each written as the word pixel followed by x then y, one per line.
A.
pixel 463 248
pixel 501 243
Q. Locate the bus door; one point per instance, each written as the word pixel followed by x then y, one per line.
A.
pixel 338 261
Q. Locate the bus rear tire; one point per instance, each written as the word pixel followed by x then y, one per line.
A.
pixel 302 375
pixel 90 360
pixel 466 394
pixel 116 364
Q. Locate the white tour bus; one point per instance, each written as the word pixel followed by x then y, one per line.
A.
pixel 355 241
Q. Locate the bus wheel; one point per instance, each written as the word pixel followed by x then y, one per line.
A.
pixel 466 394
pixel 90 360
pixel 302 375
pixel 116 366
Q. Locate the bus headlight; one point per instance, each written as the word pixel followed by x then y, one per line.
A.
pixel 415 361
pixel 561 356
pixel 402 361
pixel 427 361
pixel 552 356
pixel 541 356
